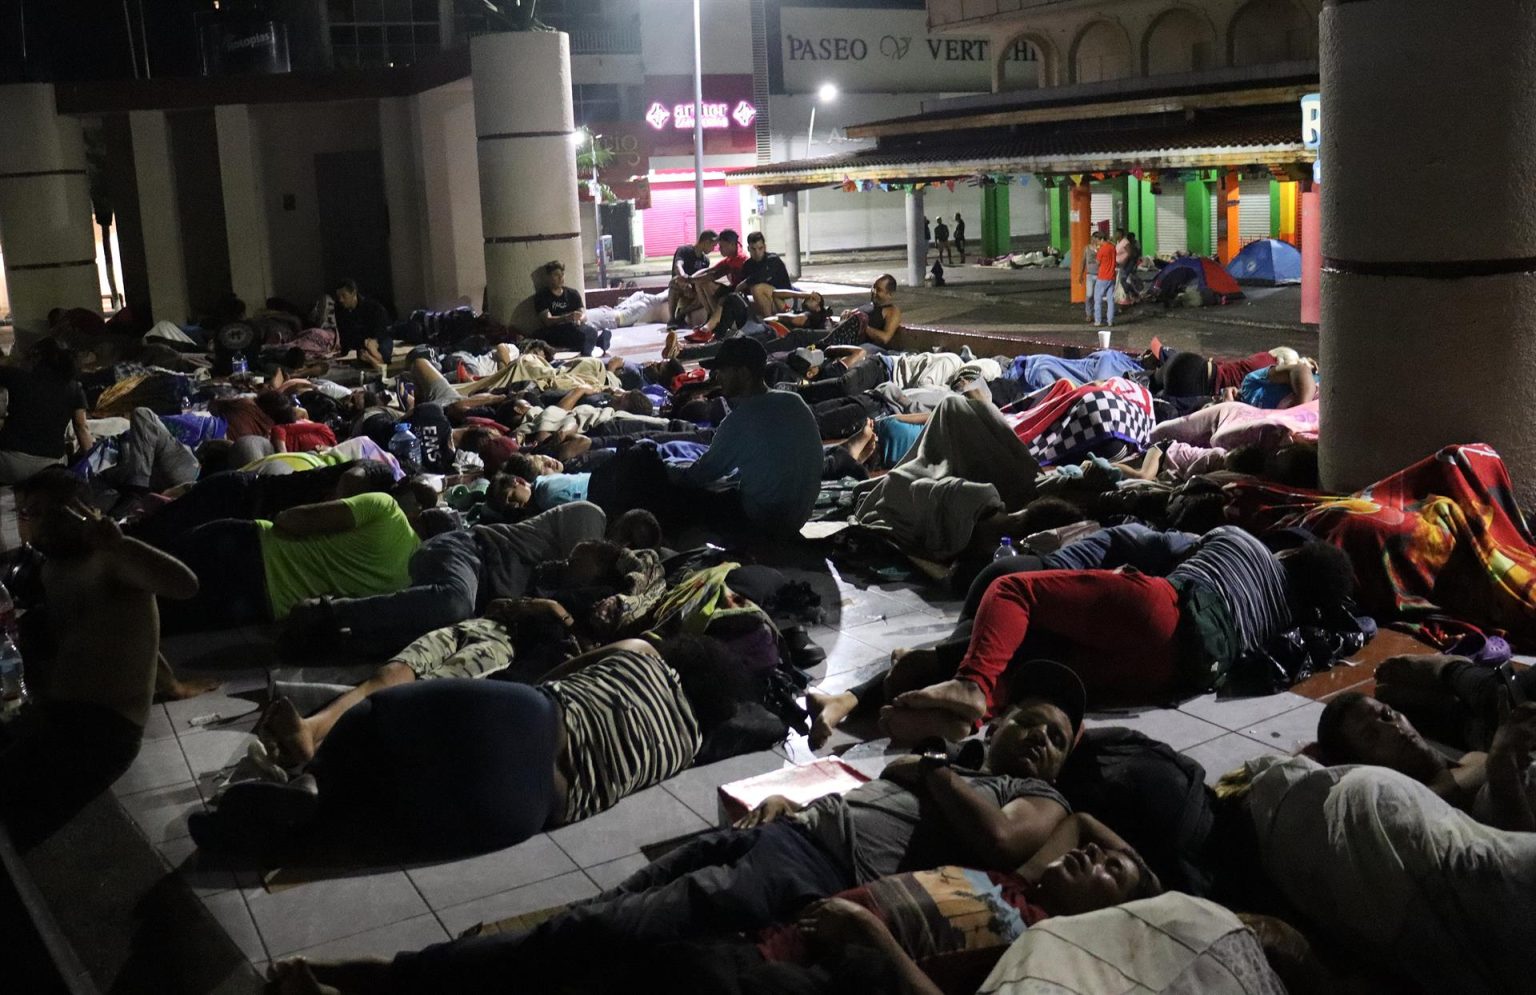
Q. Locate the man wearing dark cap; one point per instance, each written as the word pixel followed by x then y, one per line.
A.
pixel 922 812
pixel 768 446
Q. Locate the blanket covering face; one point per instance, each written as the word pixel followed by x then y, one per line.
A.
pixel 1443 537
pixel 1069 422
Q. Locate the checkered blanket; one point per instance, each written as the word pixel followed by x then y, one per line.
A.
pixel 1066 423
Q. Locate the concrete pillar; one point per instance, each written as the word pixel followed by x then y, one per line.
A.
pixel 1147 215
pixel 45 210
pixel 245 210
pixel 159 215
pixel 523 124
pixel 1429 302
pixel 1311 235
pixel 401 156
pixel 917 246
pixel 1080 225
pixel 792 234
pixel 1056 199
pixel 1230 201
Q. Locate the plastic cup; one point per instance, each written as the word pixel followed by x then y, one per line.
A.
pixel 1104 338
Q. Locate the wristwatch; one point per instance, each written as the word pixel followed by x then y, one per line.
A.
pixel 933 760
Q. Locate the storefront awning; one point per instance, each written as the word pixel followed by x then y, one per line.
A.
pixel 1066 148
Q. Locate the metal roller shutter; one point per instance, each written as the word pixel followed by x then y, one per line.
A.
pixel 1253 210
pixel 669 221
pixel 1103 209
pixel 1172 226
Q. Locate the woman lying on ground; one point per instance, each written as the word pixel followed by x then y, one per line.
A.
pixel 466 766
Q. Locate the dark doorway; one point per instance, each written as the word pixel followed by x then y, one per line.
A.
pixel 354 223
pixel 200 204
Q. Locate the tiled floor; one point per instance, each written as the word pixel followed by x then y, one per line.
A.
pixel 379 910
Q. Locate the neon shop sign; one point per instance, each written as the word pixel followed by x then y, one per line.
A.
pixel 718 115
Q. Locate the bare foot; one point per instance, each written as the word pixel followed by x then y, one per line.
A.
pixel 906 726
pixel 354 977
pixel 827 713
pixel 960 698
pixel 288 733
pixel 168 687
pixel 294 977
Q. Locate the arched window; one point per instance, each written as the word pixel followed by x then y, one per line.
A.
pixel 1101 52
pixel 1268 31
pixel 1179 41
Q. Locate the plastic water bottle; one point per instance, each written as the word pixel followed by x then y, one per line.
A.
pixel 7 613
pixel 13 679
pixel 1004 548
pixel 405 446
pixel 238 366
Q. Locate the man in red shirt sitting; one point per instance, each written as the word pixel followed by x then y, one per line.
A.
pixel 708 285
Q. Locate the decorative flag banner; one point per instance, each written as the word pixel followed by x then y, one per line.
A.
pixel 1023 181
pixel 950 184
pixel 1138 172
pixel 1076 178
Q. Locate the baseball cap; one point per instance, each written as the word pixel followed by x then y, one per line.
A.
pixel 802 360
pixel 1052 682
pixel 741 351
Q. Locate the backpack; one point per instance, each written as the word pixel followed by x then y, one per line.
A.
pixel 1152 796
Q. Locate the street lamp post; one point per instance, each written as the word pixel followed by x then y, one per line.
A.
pixel 597 218
pixel 698 124
pixel 825 95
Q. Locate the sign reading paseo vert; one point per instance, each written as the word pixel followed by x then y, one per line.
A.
pixel 863 50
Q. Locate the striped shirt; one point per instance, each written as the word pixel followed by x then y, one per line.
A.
pixel 1248 578
pixel 627 725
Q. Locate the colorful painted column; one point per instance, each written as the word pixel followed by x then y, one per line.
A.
pixel 1080 223
pixel 1061 238
pixel 1144 211
pixel 1311 255
pixel 996 228
pixel 1288 212
pixel 1428 302
pixel 524 125
pixel 1231 202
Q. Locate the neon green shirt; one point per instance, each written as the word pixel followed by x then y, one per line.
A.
pixel 369 558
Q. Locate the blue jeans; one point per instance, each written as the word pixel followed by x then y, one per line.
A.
pixel 1093 293
pixel 1104 289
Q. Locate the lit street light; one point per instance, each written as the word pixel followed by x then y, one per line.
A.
pixel 826 94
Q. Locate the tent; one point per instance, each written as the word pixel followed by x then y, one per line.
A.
pixel 1205 274
pixel 1268 262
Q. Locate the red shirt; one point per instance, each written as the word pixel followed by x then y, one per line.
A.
pixel 304 436
pixel 1230 372
pixel 1106 261
pixel 731 266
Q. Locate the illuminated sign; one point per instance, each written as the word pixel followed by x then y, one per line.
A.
pixel 717 115
pixel 1312 120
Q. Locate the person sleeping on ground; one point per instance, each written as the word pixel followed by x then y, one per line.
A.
pixel 257 571
pixel 246 495
pixel 1191 375
pixel 461 766
pixel 1393 873
pixel 921 813
pixel 599 590
pixel 1497 787
pixel 452 577
pixel 1130 636
pixel 924 932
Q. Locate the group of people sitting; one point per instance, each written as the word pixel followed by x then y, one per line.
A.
pixel 557 568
